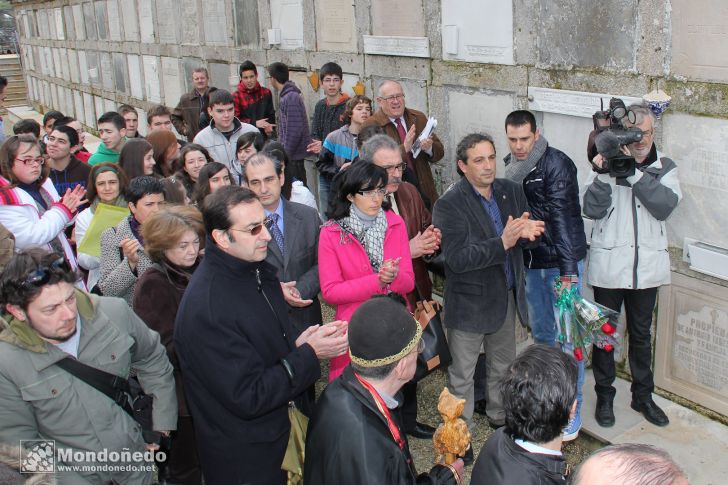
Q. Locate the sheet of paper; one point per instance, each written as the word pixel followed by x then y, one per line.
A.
pixel 105 216
pixel 426 132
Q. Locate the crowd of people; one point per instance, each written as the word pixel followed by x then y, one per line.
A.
pixel 219 255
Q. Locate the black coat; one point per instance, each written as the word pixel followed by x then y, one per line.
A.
pixel 349 442
pixel 552 190
pixel 475 280
pixel 503 462
pixel 229 344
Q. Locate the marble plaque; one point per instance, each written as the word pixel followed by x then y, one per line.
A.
pixel 167 20
pixel 464 37
pixel 43 27
pixel 51 19
pixel 78 105
pixel 120 82
pixel 402 18
pixel 112 13
pixel 72 58
pixel 215 22
pixel 102 22
pixel 88 110
pixel 130 20
pixel 151 79
pixel 58 17
pixel 99 106
pixel 67 101
pixel 574 103
pixel 79 26
pixel 50 66
pixel 57 67
pixel 397 46
pixel 109 105
pixel 68 22
pixel 700 39
pixel 136 83
pixel 287 15
pixel 247 30
pixel 94 67
pixel 28 57
pixel 190 28
pixel 171 81
pixel 219 75
pixel 47 94
pixel 699 147
pixel 33 24
pixel 55 104
pixel 569 134
pixel 335 25
pixel 65 64
pixel 146 21
pixel 83 66
pixel 691 355
pixel 90 20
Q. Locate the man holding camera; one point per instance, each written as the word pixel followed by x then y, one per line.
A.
pixel 629 259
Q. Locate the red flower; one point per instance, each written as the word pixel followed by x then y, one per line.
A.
pixel 608 328
pixel 579 354
pixel 608 347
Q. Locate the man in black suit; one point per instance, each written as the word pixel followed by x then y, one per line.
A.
pixel 483 220
pixel 294 248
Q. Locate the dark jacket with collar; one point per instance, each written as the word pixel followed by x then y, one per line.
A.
pixel 229 343
pixel 349 442
pixel 475 280
pixel 299 263
pixel 552 190
pixel 503 462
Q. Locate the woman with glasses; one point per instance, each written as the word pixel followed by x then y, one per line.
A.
pixel 363 248
pixel 173 238
pixel 31 207
pixel 192 158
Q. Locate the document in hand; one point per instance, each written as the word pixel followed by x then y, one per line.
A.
pixel 426 132
pixel 105 216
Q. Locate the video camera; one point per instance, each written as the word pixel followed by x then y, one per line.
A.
pixel 611 135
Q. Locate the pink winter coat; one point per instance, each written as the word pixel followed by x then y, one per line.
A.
pixel 347 279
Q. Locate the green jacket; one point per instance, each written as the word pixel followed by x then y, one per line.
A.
pixel 38 400
pixel 103 154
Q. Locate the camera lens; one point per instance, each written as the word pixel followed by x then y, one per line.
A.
pixel 619 112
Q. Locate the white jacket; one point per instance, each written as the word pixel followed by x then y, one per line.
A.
pixel 86 261
pixel 221 149
pixel 629 239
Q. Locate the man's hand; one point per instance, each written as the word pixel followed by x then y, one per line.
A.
pixel 314 147
pixel 512 232
pixel 424 242
pixel 426 144
pixel 532 229
pixel 129 247
pixel 293 296
pixel 328 341
pixel 598 160
pixel 265 126
pixel 409 139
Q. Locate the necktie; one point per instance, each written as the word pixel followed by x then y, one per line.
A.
pixel 402 135
pixel 275 231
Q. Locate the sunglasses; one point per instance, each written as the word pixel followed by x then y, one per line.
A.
pixel 42 275
pixel 255 230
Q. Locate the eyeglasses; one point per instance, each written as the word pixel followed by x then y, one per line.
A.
pixel 401 167
pixel 393 97
pixel 331 80
pixel 31 161
pixel 255 230
pixel 373 194
pixel 41 276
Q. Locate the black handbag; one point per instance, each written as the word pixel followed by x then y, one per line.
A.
pixel 437 352
pixel 127 393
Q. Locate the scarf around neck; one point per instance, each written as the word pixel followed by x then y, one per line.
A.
pixel 371 238
pixel 118 202
pixel 517 170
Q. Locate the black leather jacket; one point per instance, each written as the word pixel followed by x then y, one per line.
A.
pixel 552 190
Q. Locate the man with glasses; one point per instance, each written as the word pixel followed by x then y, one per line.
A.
pixel 46 319
pixel 327 115
pixel 404 125
pixel 628 260
pixel 242 360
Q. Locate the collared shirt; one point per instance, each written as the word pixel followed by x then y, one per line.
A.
pixel 70 346
pixel 491 208
pixel 389 401
pixel 279 211
pixel 534 448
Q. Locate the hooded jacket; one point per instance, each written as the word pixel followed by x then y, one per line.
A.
pixel 254 104
pixel 103 154
pixel 292 122
pixel 221 148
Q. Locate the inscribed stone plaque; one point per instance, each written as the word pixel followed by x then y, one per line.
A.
pixel 287 15
pixel 90 19
pixel 65 64
pixel 219 75
pixel 119 72
pixel 464 37
pixel 335 25
pixel 171 80
pixel 588 32
pixel 83 67
pixel 699 147
pixel 94 67
pixel 190 28
pixel 574 103
pixel 700 39
pixel 102 22
pixel 146 21
pixel 189 64
pixel 68 22
pixel 247 31
pixel 57 68
pixel 215 22
pixel 167 20
pixel 130 20
pixel 112 13
pixel 55 104
pixel 151 79
pixel 402 18
pixel 78 104
pixel 79 26
pixel 99 105
pixel 50 18
pixel 136 84
pixel 88 110
pixel 691 357
pixel 58 17
pixel 397 46
pixel 75 75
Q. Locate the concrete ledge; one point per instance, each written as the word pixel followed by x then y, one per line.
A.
pixel 18 113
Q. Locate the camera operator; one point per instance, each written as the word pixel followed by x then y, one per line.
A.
pixel 628 260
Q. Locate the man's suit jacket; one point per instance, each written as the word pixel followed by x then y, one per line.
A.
pixel 475 281
pixel 299 263
pixel 423 160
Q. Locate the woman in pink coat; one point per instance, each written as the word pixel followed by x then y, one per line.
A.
pixel 363 249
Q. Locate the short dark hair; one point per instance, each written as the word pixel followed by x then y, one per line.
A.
pixel 52 115
pixel 220 96
pixel 113 117
pixel 351 104
pixel 64 121
pixel 141 186
pixel 69 132
pixel 275 150
pixel 250 138
pixel 358 177
pixel 131 157
pixel 331 69
pixel 279 72
pixel 127 108
pixel 158 110
pixel 521 117
pixel 247 66
pixel 202 187
pixel 15 288
pixel 461 152
pixel 174 190
pixel 261 159
pixel 216 209
pixel 539 390
pixel 29 126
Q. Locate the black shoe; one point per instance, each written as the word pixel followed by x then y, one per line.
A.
pixel 651 412
pixel 479 406
pixel 468 456
pixel 421 430
pixel 604 413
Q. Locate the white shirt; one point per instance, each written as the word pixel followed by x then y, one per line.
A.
pixel 70 346
pixel 534 448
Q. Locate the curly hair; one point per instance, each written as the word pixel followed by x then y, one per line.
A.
pixel 164 229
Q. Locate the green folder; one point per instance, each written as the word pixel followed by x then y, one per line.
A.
pixel 105 216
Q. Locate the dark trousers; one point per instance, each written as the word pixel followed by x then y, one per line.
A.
pixel 409 406
pixel 638 305
pixel 481 379
pixel 298 171
pixel 183 465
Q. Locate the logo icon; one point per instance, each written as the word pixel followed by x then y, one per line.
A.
pixel 37 456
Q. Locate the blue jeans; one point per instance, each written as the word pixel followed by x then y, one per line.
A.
pixel 324 187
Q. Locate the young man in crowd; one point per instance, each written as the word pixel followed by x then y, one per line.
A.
pixel 327 115
pixel 159 117
pixel 190 115
pixel 67 171
pixel 80 151
pixel 49 119
pixel 253 102
pixel 112 131
pixel 131 117
pixel 29 126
